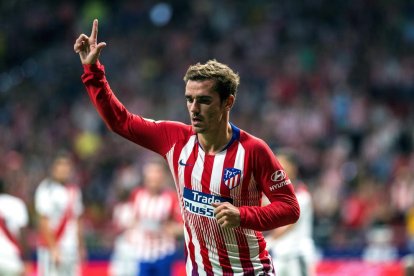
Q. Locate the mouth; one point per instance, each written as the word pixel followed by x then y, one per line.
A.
pixel 196 120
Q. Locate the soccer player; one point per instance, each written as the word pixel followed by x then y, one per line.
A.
pixel 153 223
pixel 13 217
pixel 158 222
pixel 292 246
pixel 123 261
pixel 219 170
pixel 59 206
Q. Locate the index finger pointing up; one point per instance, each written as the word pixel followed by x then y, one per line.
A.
pixel 94 33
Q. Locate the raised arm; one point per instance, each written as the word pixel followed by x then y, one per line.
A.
pixel 156 136
pixel 88 48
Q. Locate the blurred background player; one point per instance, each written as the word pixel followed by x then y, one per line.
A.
pixel 123 261
pixel 157 221
pixel 291 246
pixel 13 217
pixel 59 206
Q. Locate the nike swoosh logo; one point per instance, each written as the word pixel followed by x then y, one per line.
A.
pixel 181 162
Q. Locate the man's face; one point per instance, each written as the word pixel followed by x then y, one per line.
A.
pixel 62 169
pixel 204 105
pixel 154 176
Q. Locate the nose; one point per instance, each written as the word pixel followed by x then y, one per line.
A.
pixel 195 107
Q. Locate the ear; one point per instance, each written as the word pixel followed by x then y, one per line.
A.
pixel 229 102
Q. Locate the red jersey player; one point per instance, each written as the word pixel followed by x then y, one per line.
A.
pixel 220 171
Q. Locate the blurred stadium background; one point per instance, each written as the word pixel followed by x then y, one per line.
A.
pixel 332 79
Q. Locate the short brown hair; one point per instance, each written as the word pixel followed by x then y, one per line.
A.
pixel 226 79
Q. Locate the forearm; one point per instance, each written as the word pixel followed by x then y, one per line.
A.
pixel 47 233
pixel 146 133
pixel 279 213
pixel 108 106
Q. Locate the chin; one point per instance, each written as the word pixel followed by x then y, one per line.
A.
pixel 198 129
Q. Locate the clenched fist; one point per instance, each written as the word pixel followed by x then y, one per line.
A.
pixel 227 215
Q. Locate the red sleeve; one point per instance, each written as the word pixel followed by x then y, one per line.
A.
pixel 175 209
pixel 158 136
pixel 276 185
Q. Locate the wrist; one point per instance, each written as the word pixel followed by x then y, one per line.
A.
pixel 242 215
pixel 96 67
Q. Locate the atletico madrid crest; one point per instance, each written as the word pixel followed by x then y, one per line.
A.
pixel 232 177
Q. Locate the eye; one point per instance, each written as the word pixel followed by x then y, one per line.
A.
pixel 189 99
pixel 204 100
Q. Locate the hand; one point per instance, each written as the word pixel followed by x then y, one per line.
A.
pixel 173 229
pixel 227 215
pixel 87 47
pixel 55 255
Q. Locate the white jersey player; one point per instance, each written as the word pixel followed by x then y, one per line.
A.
pixel 59 206
pixel 292 246
pixel 123 260
pixel 13 217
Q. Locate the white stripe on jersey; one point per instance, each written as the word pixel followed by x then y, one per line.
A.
pixel 185 153
pixel 239 164
pixel 232 249
pixel 217 171
pixel 188 264
pixel 169 156
pixel 197 250
pixel 254 249
pixel 215 183
pixel 196 174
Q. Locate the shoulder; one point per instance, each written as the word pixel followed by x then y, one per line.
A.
pixel 170 124
pixel 14 203
pixel 253 143
pixel 174 127
pixel 11 199
pixel 47 183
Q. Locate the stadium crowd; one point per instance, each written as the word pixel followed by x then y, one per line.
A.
pixel 333 80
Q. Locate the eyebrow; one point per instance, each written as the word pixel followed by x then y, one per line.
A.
pixel 199 97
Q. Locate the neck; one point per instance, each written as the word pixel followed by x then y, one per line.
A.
pixel 213 143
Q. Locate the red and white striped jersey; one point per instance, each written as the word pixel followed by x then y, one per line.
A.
pixel 151 214
pixel 239 174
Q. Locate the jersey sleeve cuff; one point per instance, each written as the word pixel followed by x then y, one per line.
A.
pixel 94 68
pixel 242 210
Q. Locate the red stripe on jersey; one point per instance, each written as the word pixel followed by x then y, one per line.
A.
pixel 191 251
pixel 189 166
pixel 174 161
pixel 206 176
pixel 222 252
pixel 264 256
pixel 218 236
pixel 243 246
pixel 202 222
pixel 246 178
pixel 244 253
